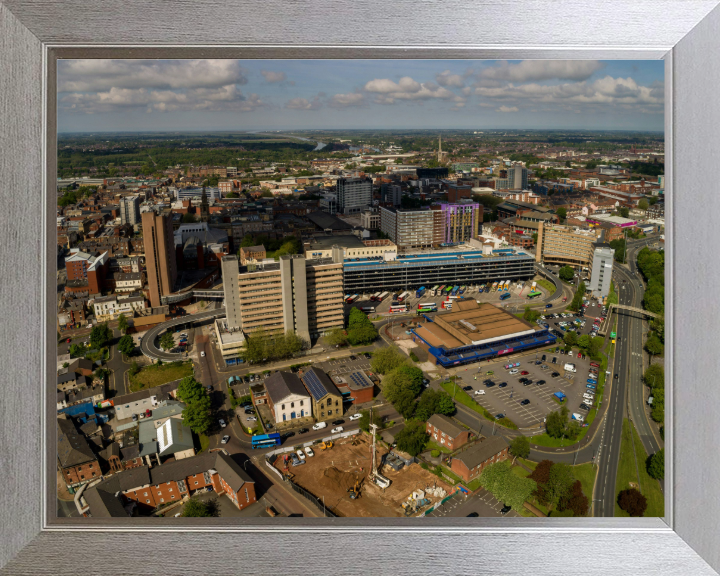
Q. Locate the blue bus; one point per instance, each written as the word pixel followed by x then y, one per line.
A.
pixel 505 296
pixel 455 291
pixel 266 440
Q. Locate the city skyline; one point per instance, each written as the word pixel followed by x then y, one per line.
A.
pixel 235 95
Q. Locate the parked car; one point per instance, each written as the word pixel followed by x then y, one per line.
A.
pixel 524 372
pixel 337 430
pixel 525 402
pixel 300 454
pixel 225 440
pixel 303 431
pixel 499 416
pixel 523 380
pixel 222 423
pixel 288 435
pixel 548 306
pixel 202 354
pixel 319 425
pixel 527 383
pixel 514 371
pixel 251 419
pixel 570 353
pixel 554 361
pixel 584 406
pixel 591 386
pixel 355 417
pixel 502 384
pixel 544 357
pixel 595 364
pixel 540 382
pixel 338 422
pixel 479 392
pixel 555 374
pixel 466 388
pixel 505 509
pixel 309 451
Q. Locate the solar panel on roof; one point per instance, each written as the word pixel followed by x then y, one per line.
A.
pixel 314 385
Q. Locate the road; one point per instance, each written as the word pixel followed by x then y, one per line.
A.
pixel 628 397
pixel 149 343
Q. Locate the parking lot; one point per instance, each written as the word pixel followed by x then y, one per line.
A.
pixel 517 298
pixel 481 504
pixel 505 394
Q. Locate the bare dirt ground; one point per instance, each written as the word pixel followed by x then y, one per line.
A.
pixel 331 473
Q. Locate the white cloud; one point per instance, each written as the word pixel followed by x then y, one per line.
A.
pixel 347 100
pixel 539 70
pixel 408 89
pixel 507 109
pixel 448 79
pixel 212 99
pixel 99 75
pixel 304 103
pixel 273 77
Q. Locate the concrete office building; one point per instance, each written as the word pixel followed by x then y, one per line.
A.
pixel 353 195
pixel 295 294
pixel 517 177
pixel 159 255
pixel 412 228
pixel 130 210
pixel 602 266
pixel 565 245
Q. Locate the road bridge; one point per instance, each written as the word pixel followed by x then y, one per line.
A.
pixel 606 324
pixel 149 347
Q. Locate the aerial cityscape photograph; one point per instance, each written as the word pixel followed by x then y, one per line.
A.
pixel 360 288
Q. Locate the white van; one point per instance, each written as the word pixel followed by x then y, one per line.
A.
pixel 320 425
pixel 577 417
pixel 570 367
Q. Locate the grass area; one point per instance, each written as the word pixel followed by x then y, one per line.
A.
pixel 95 355
pixel 526 513
pixel 549 286
pixel 520 471
pixel 529 463
pixel 451 474
pixel 628 472
pixel 550 442
pixel 474 485
pixel 204 443
pixel 612 297
pixel 435 446
pixel 586 474
pixel 155 375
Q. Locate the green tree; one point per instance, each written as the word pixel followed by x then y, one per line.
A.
pixel 386 359
pixel 556 422
pixel 77 350
pixel 583 342
pixel 196 508
pixel 596 344
pixel 562 214
pixel 414 376
pixel 247 241
pixel 189 218
pixel 656 464
pixel 412 438
pixel 231 195
pixel 559 482
pixel 190 390
pixel 624 212
pixel 499 480
pixel 531 315
pixel 433 402
pixel 566 273
pixel 100 336
pixel 363 334
pixel 266 194
pixel 364 422
pixel 571 338
pixel 197 415
pixel 167 342
pixel 643 204
pixel 126 345
pixel 653 200
pixel 520 446
pixel 654 346
pixel 123 324
pixel 357 317
pixel 574 500
pixel 336 337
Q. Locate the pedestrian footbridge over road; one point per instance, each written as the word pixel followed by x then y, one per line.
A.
pixel 606 324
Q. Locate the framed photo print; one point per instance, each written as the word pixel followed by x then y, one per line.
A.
pixel 351 288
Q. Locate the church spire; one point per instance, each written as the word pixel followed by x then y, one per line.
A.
pixel 204 207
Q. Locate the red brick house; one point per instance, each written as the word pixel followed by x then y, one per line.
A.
pixel 471 462
pixel 138 491
pixel 445 432
pixel 76 459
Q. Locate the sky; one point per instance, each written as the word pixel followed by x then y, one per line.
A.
pixel 210 95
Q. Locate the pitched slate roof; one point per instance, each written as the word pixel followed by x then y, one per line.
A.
pixel 73 448
pixel 319 383
pixel 481 451
pixel 282 384
pixel 445 424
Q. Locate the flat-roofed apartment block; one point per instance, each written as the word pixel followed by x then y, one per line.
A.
pixel 565 245
pixel 412 228
pixel 294 294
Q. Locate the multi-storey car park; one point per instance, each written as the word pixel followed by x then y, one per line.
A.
pixel 457 266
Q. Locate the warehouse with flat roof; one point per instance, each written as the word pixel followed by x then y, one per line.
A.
pixel 473 332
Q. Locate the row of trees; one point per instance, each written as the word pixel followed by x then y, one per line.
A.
pixel 197 405
pixel 557 488
pixel 262 346
pixel 652 266
pixel 654 379
pixel 578 298
pixel 589 345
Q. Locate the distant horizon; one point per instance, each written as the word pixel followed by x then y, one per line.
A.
pixel 268 95
pixel 269 130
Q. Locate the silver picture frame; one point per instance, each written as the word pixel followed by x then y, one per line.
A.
pixel 35 34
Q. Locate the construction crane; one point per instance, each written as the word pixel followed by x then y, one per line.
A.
pixel 379 479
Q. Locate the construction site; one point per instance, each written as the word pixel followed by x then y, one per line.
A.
pixel 342 475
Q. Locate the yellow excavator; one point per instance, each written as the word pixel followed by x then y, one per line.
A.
pixel 355 490
pixel 326 445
